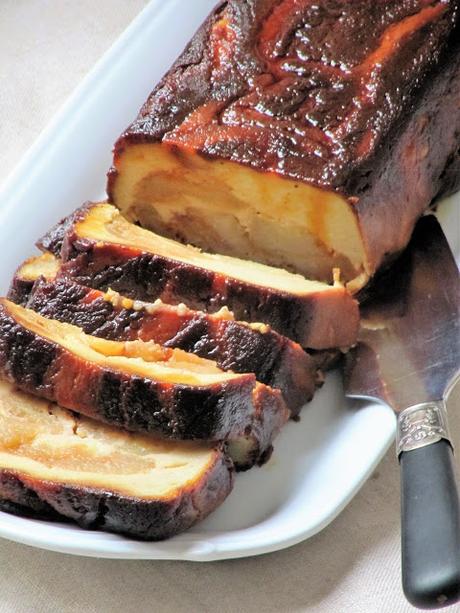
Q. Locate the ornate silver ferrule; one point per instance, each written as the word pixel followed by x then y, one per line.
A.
pixel 420 425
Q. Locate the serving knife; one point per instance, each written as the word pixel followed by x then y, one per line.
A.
pixel 408 356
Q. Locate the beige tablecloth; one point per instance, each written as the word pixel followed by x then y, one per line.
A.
pixel 46 47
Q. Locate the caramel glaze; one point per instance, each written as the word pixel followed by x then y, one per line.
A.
pixel 306 90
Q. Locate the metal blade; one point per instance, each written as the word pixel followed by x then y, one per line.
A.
pixel 409 344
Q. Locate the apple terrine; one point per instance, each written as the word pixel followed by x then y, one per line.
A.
pixel 302 135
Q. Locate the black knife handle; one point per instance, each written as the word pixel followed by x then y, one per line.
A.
pixel 430 526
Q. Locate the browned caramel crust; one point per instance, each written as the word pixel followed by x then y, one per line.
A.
pixel 274 359
pixel 20 290
pixel 257 66
pixel 450 178
pixel 358 98
pixel 151 520
pixel 229 410
pixel 317 320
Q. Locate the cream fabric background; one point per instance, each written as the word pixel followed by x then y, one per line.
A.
pixel 353 566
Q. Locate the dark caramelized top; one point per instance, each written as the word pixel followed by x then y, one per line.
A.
pixel 307 90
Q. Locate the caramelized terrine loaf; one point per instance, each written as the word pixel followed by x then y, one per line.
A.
pixel 139 386
pixel 102 250
pixel 233 345
pixel 298 134
pixel 55 465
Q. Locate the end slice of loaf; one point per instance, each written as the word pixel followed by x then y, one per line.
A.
pixel 307 135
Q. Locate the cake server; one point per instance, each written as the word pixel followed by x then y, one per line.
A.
pixel 408 357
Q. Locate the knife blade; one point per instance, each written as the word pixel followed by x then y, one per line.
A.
pixel 408 356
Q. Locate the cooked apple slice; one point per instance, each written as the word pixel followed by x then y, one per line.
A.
pixel 105 251
pixel 137 385
pixel 53 463
pixel 274 359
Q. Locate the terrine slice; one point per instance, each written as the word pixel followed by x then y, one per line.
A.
pixel 103 250
pixel 56 465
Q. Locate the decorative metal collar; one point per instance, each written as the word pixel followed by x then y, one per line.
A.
pixel 420 425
